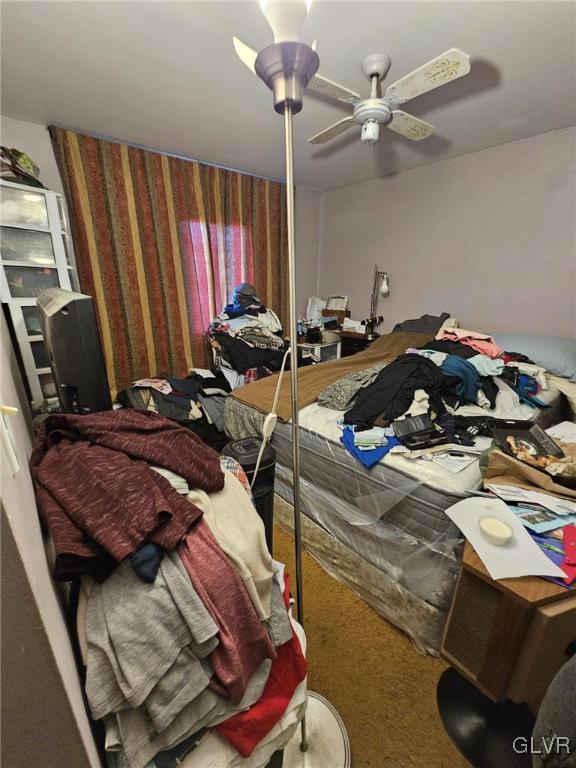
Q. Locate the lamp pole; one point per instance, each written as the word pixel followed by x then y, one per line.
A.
pixel 289 147
pixel 286 68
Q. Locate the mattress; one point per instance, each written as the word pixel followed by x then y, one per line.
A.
pixel 242 420
pixel 421 621
pixel 324 423
pixel 389 518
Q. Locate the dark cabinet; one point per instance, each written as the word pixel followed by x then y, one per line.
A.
pixel 353 343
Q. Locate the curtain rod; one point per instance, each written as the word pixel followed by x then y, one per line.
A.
pixel 163 152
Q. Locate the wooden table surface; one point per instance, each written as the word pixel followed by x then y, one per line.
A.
pixel 531 590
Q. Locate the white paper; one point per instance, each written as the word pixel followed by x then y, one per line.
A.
pixel 314 308
pixel 514 493
pixel 565 432
pixel 454 464
pixel 160 384
pixel 521 556
pixel 353 325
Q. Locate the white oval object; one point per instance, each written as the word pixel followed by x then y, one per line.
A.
pixel 328 743
pixel 495 531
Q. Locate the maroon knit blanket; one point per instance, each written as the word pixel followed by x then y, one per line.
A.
pixel 99 498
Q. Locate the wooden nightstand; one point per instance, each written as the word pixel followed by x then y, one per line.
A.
pixel 505 640
pixel 354 342
pixel 508 637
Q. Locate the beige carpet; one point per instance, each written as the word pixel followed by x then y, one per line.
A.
pixel 384 690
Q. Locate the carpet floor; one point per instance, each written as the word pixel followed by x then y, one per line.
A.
pixel 382 687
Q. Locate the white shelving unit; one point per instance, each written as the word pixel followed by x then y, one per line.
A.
pixel 35 253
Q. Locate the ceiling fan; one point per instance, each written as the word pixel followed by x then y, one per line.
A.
pixel 374 111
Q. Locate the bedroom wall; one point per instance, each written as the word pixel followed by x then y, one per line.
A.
pixel 307 217
pixel 489 236
pixel 44 719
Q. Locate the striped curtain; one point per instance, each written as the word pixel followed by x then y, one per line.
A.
pixel 160 242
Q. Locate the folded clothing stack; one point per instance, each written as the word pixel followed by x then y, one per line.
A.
pixel 371 438
pixel 201 635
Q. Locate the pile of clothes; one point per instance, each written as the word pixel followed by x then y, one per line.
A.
pixel 456 368
pixel 196 402
pixel 248 337
pixel 183 619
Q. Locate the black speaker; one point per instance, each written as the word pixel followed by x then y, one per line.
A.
pixel 74 350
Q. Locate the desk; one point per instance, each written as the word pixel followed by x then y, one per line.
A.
pixel 508 637
pixel 505 640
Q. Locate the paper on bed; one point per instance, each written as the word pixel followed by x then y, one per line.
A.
pixel 454 463
pixel 521 556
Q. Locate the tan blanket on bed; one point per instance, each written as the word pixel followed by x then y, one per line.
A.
pixel 313 378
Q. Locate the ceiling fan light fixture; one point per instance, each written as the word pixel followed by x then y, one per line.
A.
pixel 383 110
pixel 370 131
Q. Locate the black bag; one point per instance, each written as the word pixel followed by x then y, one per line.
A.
pixel 416 432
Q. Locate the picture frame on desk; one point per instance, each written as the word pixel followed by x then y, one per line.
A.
pixel 339 303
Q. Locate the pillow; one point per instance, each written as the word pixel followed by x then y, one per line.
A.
pixel 424 324
pixel 556 354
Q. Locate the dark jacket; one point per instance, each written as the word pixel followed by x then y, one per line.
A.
pixel 391 393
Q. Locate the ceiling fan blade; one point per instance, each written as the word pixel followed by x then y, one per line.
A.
pixel 332 131
pixel 443 69
pixel 332 90
pixel 246 54
pixel 409 126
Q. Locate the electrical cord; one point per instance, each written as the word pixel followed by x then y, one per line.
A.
pixel 271 419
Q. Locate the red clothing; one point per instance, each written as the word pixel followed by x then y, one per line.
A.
pixel 247 729
pixel 141 435
pixel 243 641
pixel 98 497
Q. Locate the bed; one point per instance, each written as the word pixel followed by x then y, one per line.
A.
pixel 382 531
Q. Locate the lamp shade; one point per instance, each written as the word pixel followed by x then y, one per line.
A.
pixel 286 18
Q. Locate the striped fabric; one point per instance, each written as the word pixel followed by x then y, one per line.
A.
pixel 160 243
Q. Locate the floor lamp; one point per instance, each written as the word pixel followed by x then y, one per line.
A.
pixel 287 67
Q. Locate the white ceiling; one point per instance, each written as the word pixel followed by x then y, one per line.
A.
pixel 164 75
